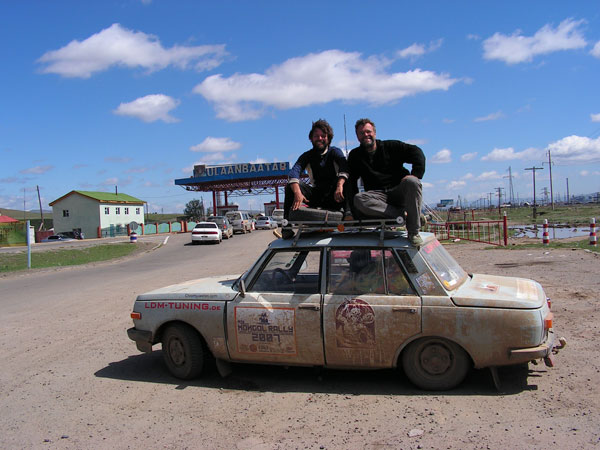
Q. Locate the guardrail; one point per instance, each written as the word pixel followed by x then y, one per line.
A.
pixel 493 232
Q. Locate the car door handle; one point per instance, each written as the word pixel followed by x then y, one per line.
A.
pixel 405 309
pixel 311 307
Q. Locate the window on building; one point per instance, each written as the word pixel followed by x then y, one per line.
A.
pixel 126 210
pixel 117 210
pixel 107 210
pixel 65 213
pixel 137 211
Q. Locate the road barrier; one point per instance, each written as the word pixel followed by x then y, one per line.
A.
pixel 593 238
pixel 493 232
pixel 545 234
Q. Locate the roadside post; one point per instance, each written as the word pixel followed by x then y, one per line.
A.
pixel 593 237
pixel 28 244
pixel 545 235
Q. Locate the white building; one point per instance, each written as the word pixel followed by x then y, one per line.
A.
pixel 85 211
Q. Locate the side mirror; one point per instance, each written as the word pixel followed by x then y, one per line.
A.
pixel 242 288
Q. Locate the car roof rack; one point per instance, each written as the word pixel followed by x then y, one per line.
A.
pixel 381 225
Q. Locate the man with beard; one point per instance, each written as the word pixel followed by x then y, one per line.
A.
pixel 327 169
pixel 390 189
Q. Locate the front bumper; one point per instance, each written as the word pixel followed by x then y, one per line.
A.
pixel 142 339
pixel 545 350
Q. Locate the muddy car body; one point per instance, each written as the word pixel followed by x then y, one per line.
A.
pixel 355 300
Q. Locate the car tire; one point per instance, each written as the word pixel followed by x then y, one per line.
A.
pixel 435 364
pixel 315 215
pixel 183 351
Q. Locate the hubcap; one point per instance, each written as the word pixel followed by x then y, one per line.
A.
pixel 436 359
pixel 177 352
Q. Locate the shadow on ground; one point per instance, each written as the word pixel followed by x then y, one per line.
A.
pixel 149 368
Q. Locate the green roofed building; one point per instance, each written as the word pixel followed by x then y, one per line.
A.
pixel 87 211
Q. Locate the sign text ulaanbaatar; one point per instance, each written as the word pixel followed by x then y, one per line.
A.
pixel 242 170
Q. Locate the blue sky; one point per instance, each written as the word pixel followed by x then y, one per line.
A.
pixel 134 93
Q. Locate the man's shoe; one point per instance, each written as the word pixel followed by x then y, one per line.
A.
pixel 423 220
pixel 348 217
pixel 287 233
pixel 415 239
pixel 277 233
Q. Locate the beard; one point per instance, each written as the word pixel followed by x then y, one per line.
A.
pixel 368 143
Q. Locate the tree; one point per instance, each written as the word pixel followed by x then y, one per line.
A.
pixel 194 210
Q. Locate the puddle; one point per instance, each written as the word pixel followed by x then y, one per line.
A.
pixel 554 231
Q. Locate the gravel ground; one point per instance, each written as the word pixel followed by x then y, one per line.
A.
pixel 72 379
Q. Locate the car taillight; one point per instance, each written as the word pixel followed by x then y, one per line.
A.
pixel 549 302
pixel 136 315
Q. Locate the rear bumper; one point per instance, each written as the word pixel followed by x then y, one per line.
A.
pixel 142 339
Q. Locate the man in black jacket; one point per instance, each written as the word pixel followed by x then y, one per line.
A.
pixel 327 169
pixel 390 189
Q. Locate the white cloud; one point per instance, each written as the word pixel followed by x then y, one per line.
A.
pixel 37 170
pixel 427 185
pixel 214 144
pixel 584 173
pixel 448 120
pixel 473 37
pixel 517 48
pixel 468 176
pixel 507 154
pixel 454 185
pixel 416 141
pixel 595 117
pixel 212 158
pixel 149 108
pixel 416 50
pixel 486 176
pixel 493 116
pixel 118 46
pixel 468 156
pixel 442 157
pixel 575 150
pixel 412 51
pixel 596 50
pixel 316 79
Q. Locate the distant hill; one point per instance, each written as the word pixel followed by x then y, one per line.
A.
pixel 24 215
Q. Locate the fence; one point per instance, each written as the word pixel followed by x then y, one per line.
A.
pixel 493 232
pixel 12 234
pixel 145 229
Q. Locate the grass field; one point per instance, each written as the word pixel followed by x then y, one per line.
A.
pixel 10 262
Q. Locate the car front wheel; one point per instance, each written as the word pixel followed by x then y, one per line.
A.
pixel 435 364
pixel 183 351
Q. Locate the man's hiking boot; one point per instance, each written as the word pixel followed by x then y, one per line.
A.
pixel 415 239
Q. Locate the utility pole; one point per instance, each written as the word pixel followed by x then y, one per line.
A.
pixel 551 190
pixel 568 198
pixel 499 189
pixel 534 204
pixel 41 212
pixel 511 192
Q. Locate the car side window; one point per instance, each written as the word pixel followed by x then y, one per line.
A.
pixel 356 271
pixel 397 282
pixel 294 271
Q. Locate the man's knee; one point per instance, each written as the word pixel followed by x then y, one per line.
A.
pixel 411 184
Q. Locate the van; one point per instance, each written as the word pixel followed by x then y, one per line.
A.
pixel 240 220
pixel 277 216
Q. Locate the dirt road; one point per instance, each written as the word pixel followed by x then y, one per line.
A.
pixel 72 379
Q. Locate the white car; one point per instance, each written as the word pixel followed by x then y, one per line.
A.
pixel 351 300
pixel 206 232
pixel 265 223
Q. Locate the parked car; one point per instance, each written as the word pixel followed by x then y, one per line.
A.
pixel 223 224
pixel 278 216
pixel 206 232
pixel 57 238
pixel 240 220
pixel 362 300
pixel 265 223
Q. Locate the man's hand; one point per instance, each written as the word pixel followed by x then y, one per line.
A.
pixel 338 195
pixel 299 199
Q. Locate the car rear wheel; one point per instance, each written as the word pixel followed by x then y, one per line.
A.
pixel 435 364
pixel 183 351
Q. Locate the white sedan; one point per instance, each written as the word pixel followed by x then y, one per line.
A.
pixel 206 232
pixel 265 223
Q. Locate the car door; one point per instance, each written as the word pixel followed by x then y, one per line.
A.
pixel 370 308
pixel 279 317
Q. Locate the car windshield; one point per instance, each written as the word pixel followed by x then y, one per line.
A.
pixel 206 225
pixel 445 267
